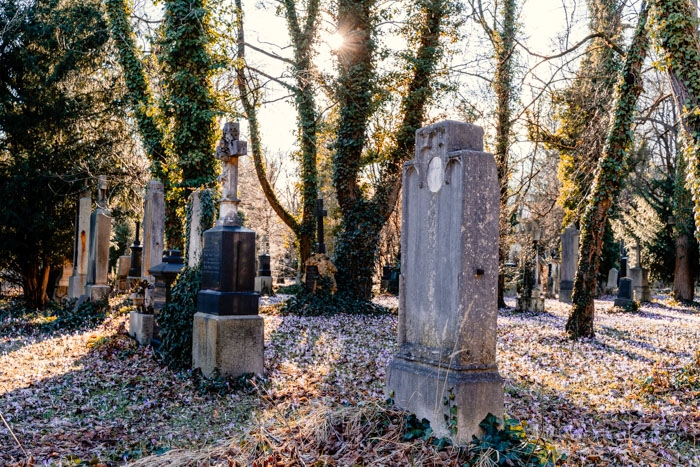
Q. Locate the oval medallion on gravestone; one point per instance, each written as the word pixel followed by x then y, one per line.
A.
pixel 436 174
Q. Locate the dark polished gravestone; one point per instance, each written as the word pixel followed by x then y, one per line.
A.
pixel 624 293
pixel 228 272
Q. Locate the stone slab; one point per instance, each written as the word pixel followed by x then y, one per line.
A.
pixel 531 304
pixel 424 387
pixel 141 327
pixel 263 285
pixel 228 303
pixel 231 345
pixel 97 293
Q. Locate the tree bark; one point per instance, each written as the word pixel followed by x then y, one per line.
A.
pixel 35 280
pixel 363 218
pixel 610 174
pixel 302 40
pixel 683 273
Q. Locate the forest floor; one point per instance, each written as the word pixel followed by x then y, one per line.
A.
pixel 628 397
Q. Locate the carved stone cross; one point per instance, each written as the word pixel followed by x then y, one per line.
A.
pixel 230 148
pixel 320 213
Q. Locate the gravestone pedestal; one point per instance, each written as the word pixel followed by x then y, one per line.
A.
pixel 141 327
pixel 228 334
pixel 448 283
pixel 624 293
pixel 640 284
pixel 533 303
pixel 263 281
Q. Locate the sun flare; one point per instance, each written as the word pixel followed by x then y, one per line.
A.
pixel 335 41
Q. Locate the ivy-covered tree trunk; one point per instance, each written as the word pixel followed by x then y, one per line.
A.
pixel 503 40
pixel 363 218
pixel 674 26
pixel 189 103
pixel 303 39
pixel 35 280
pixel 686 264
pixel 611 172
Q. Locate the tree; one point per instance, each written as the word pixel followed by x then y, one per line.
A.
pixel 303 37
pixel 674 27
pixel 611 172
pixel 502 36
pixel 60 122
pixel 363 211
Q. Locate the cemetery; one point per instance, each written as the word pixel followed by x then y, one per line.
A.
pixel 428 273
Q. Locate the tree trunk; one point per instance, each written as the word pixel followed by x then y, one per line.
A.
pixel 683 274
pixel 363 219
pixel 35 280
pixel 611 172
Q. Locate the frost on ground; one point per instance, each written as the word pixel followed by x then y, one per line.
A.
pixel 626 397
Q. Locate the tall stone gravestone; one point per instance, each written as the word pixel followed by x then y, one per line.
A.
pixel 153 228
pixel 569 261
pixel 100 237
pixel 195 230
pixel 448 284
pixel 228 334
pixel 640 276
pixel 78 279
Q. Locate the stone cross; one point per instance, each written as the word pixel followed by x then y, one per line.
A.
pixel 102 192
pixel 230 148
pixel 320 213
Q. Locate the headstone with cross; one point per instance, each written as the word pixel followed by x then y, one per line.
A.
pixel 228 332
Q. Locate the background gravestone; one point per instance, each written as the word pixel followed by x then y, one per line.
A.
pixel 100 238
pixel 448 283
pixel 78 279
pixel 153 228
pixel 624 293
pixel 569 262
pixel 612 279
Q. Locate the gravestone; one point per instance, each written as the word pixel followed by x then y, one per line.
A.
pixel 194 235
pixel 228 333
pixel 134 275
pixel 263 281
pixel 141 320
pixel 569 261
pixel 123 266
pixel 78 279
pixel 612 279
pixel 63 282
pixel 624 268
pixel 640 277
pixel 153 228
pixel 100 237
pixel 448 283
pixel 624 293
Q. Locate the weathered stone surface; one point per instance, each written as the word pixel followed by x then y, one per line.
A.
pixel 449 276
pixel 78 279
pixel 153 228
pixel 612 278
pixel 233 345
pixel 141 327
pixel 569 262
pixel 101 235
pixel 194 236
pixel 97 293
pixel 640 284
pixel 263 285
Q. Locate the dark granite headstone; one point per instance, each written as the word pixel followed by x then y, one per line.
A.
pixel 311 278
pixel 264 265
pixel 624 292
pixel 228 272
pixel 623 269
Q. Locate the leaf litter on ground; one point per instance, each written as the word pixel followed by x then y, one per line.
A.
pixel 628 397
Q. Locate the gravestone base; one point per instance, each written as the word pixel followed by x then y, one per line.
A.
pixel 622 302
pixel 566 289
pixel 530 304
pixel 76 285
pixel 141 327
pixel 642 294
pixel 232 345
pixel 422 388
pixel 97 293
pixel 263 285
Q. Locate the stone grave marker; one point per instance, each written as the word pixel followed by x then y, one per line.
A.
pixel 612 279
pixel 640 277
pixel 263 281
pixel 448 284
pixel 100 237
pixel 228 333
pixel 194 235
pixel 78 279
pixel 569 262
pixel 624 293
pixel 153 228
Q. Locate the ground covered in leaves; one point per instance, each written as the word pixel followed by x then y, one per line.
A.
pixel 630 396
